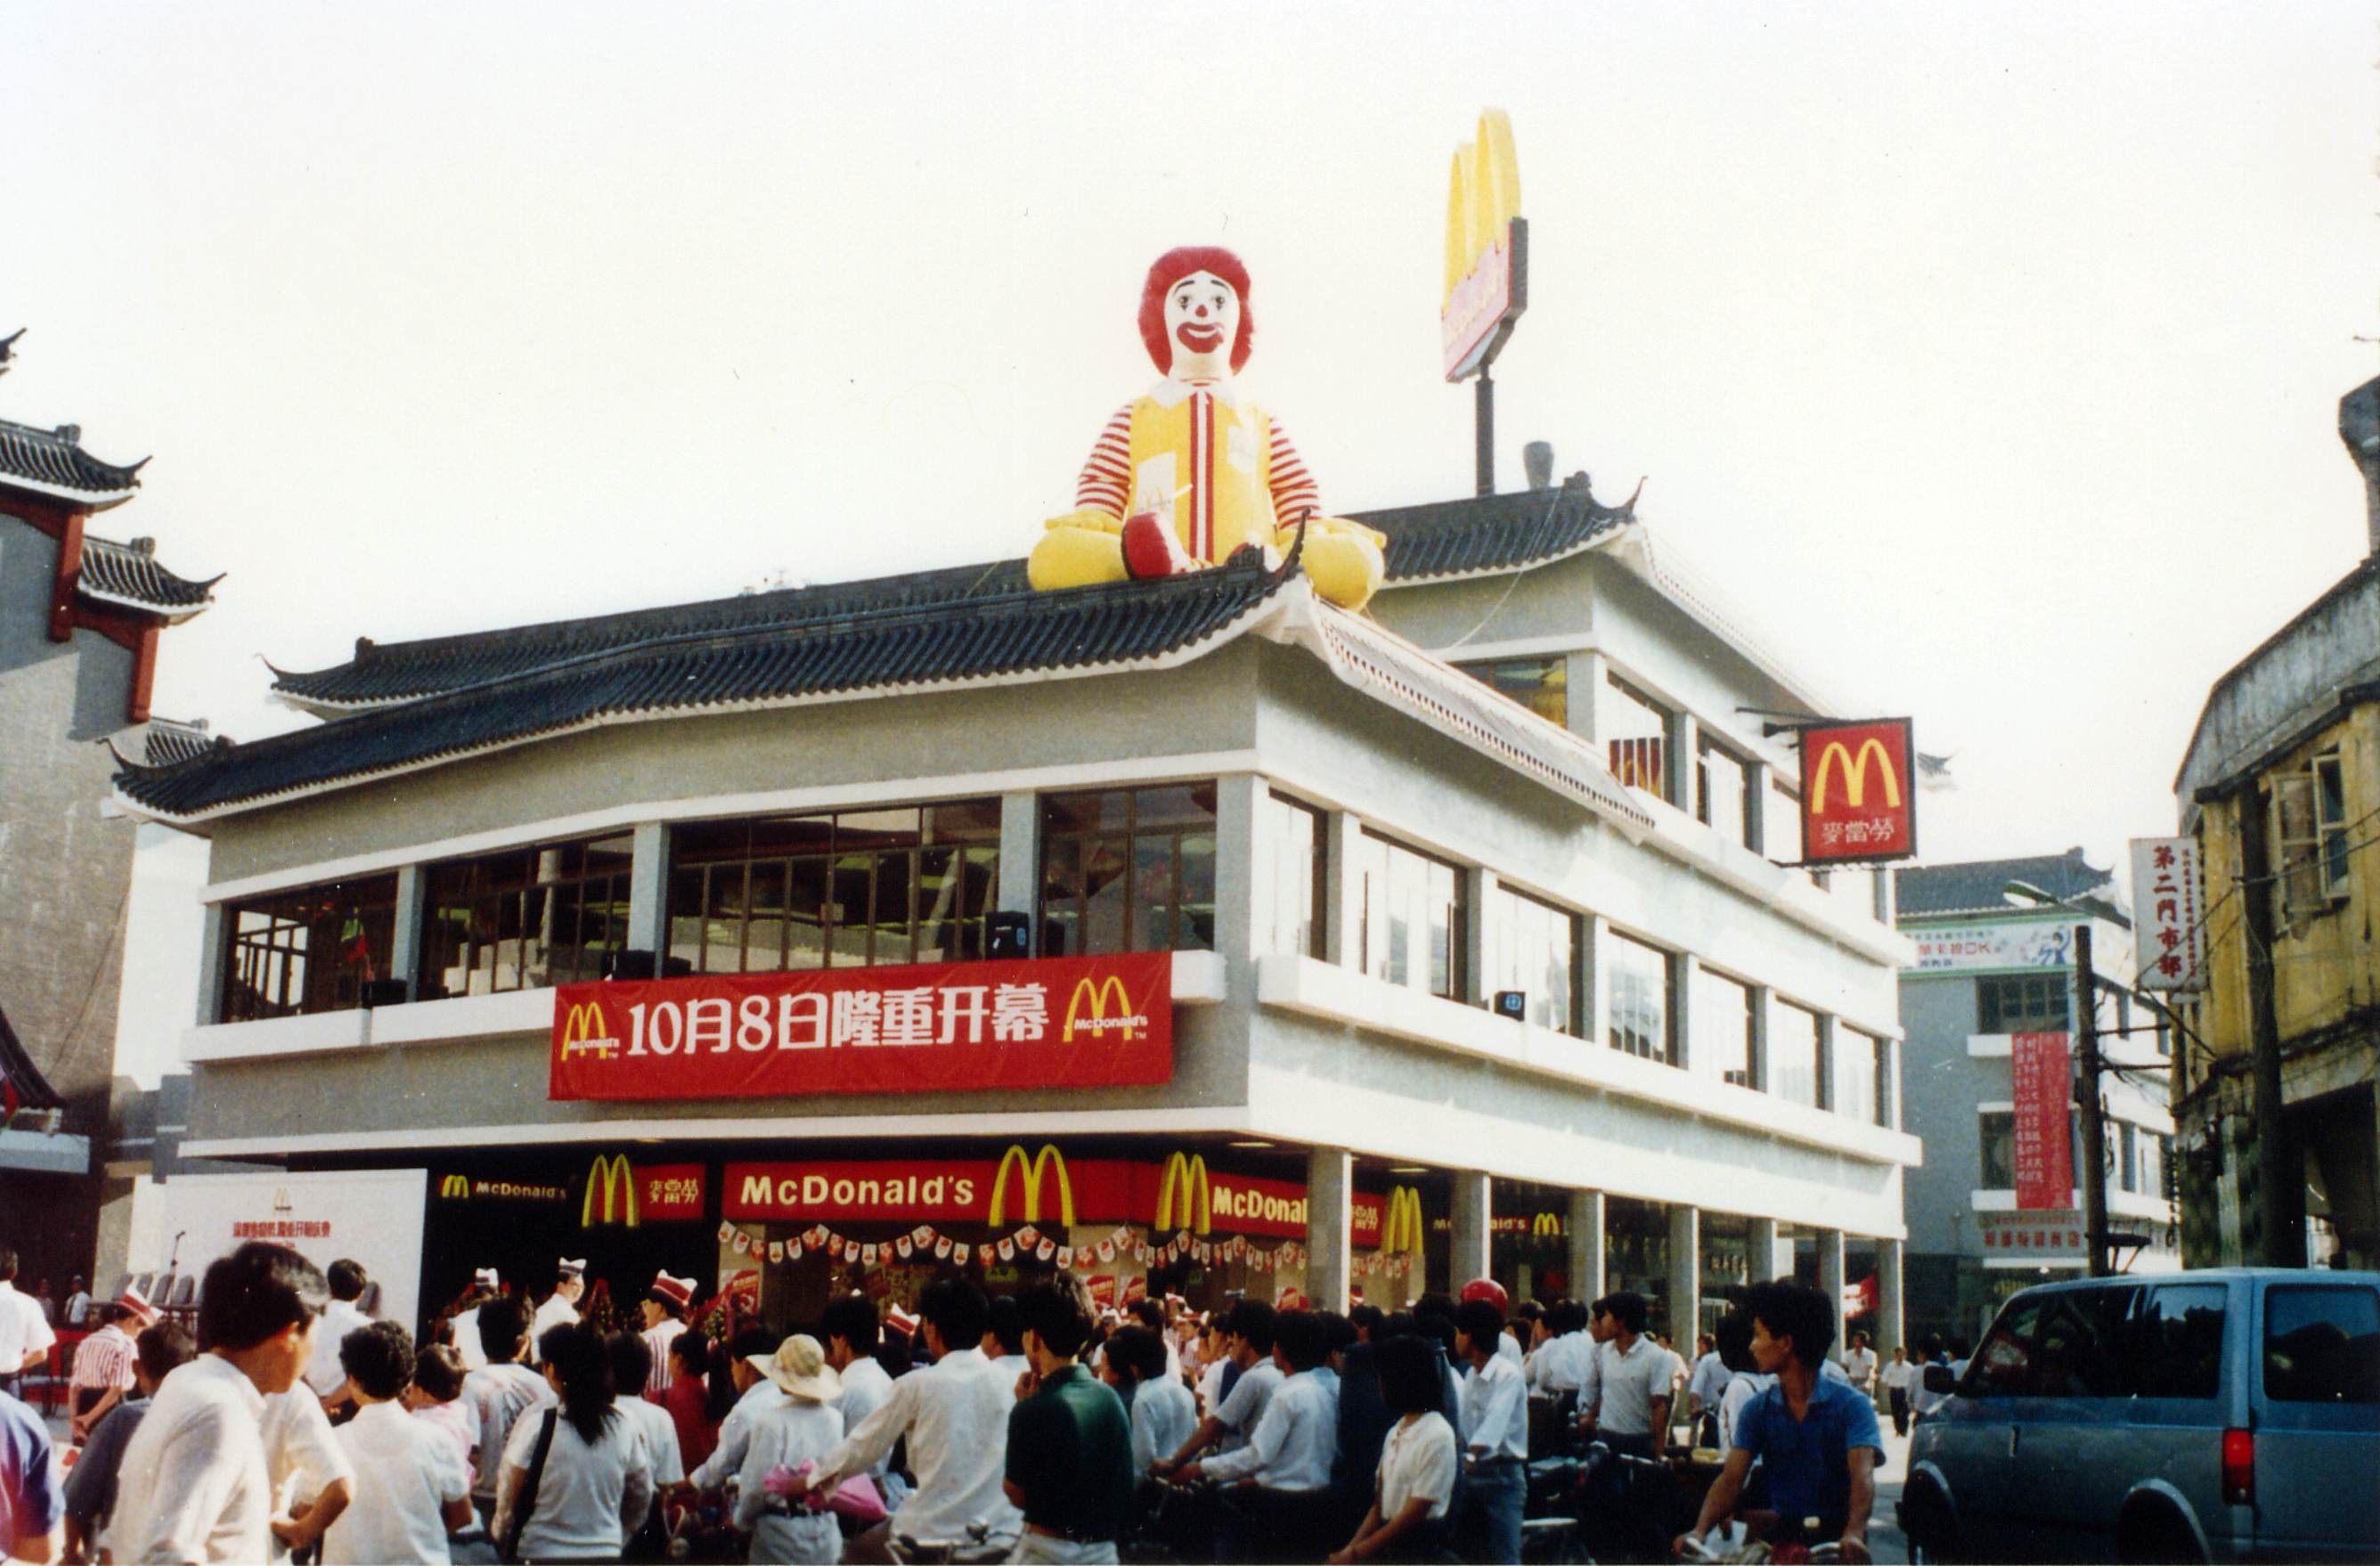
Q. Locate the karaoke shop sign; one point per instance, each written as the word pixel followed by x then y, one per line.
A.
pixel 1055 1022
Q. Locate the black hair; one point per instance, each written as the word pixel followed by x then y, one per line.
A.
pixel 438 1371
pixel 956 1307
pixel 1138 1350
pixel 1528 1310
pixel 348 1279
pixel 691 1348
pixel 753 1341
pixel 1151 1312
pixel 1408 1370
pixel 1058 1311
pixel 1366 1318
pixel 1439 1330
pixel 1629 1308
pixel 378 1358
pixel 632 1362
pixel 719 1384
pixel 504 1327
pixel 1733 1335
pixel 667 1302
pixel 1568 1316
pixel 1481 1321
pixel 1790 1309
pixel 1434 1304
pixel 1252 1319
pixel 582 1368
pixel 164 1349
pixel 1338 1332
pixel 853 1319
pixel 7 1263
pixel 256 1291
pixel 1004 1319
pixel 1301 1340
pixel 1395 1324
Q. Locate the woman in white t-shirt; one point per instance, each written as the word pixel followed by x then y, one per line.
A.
pixel 1419 1463
pixel 598 1479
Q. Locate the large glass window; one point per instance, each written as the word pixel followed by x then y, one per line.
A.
pixel 2322 1343
pixel 1128 870
pixel 2068 1345
pixel 1533 947
pixel 527 918
pixel 1722 1029
pixel 852 889
pixel 1290 901
pixel 1637 739
pixel 1793 1053
pixel 1541 685
pixel 1412 910
pixel 1643 979
pixel 1725 794
pixel 1859 1075
pixel 1997 1132
pixel 2175 1347
pixel 307 951
pixel 2033 1003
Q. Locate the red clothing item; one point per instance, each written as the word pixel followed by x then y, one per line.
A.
pixel 697 1433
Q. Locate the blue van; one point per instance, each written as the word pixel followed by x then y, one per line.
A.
pixel 2226 1414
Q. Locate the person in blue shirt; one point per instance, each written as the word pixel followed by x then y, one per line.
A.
pixel 31 1505
pixel 1815 1438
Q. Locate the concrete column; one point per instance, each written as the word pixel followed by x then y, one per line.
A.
pixel 1826 1063
pixel 214 949
pixel 1766 1254
pixel 1342 905
pixel 1761 996
pixel 1888 1328
pixel 1830 1274
pixel 1684 751
pixel 1685 1276
pixel 1586 674
pixel 404 946
pixel 1755 807
pixel 1587 1249
pixel 1235 895
pixel 1591 971
pixel 1472 960
pixel 1685 964
pixel 648 893
pixel 1330 1223
pixel 1020 861
pixel 1469 1257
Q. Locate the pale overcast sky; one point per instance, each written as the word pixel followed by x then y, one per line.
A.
pixel 1988 353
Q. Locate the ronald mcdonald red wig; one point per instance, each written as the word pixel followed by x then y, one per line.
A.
pixel 1171 268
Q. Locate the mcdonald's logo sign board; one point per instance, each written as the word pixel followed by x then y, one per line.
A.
pixel 1859 795
pixel 1027 1185
pixel 1182 1193
pixel 1487 251
pixel 471 1189
pixel 1056 1022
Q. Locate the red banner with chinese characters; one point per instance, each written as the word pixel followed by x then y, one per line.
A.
pixel 1057 1022
pixel 2045 1117
pixel 669 1190
pixel 1859 791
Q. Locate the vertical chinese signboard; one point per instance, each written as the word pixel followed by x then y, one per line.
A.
pixel 2045 1114
pixel 1859 795
pixel 2170 919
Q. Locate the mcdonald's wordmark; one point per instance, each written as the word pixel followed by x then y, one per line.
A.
pixel 1859 797
pixel 1057 1022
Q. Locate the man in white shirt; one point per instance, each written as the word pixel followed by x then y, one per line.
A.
pixel 343 1316
pixel 562 1305
pixel 756 1394
pixel 312 1481
pixel 412 1488
pixel 1625 1396
pixel 1248 1342
pixel 1897 1378
pixel 956 1415
pixel 1705 1385
pixel 1859 1365
pixel 500 1391
pixel 1289 1454
pixel 1562 1364
pixel 76 1312
pixel 631 1363
pixel 1495 1432
pixel 193 1485
pixel 25 1335
pixel 665 1304
pixel 466 1324
pixel 852 1330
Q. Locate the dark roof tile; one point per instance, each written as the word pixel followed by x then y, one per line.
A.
pixel 1974 887
pixel 128 574
pixel 53 462
pixel 1492 533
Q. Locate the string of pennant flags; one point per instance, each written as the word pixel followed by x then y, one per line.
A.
pixel 925 1242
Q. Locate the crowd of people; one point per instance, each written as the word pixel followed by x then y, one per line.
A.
pixel 295 1426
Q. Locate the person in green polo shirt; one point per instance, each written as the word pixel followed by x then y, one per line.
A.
pixel 1069 1440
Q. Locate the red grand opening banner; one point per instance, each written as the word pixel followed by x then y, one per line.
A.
pixel 2045 1118
pixel 1053 1021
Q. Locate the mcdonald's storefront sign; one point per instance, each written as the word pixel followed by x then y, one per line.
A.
pixel 1859 795
pixel 1487 251
pixel 1027 1185
pixel 1055 1022
pixel 632 1196
pixel 469 1187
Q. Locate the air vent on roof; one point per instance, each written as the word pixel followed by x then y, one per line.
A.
pixel 1538 462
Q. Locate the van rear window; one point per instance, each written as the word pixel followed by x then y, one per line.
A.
pixel 2322 1343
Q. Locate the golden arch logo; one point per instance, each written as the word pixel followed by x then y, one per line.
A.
pixel 1186 1199
pixel 1400 1229
pixel 455 1186
pixel 1087 1010
pixel 1483 199
pixel 1030 1175
pixel 611 1194
pixel 582 1033
pixel 1837 757
pixel 1546 1225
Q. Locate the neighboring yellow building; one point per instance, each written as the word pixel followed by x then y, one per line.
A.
pixel 2281 786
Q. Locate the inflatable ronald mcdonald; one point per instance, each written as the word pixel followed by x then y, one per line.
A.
pixel 1192 471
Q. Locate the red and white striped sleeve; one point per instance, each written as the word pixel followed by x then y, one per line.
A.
pixel 1294 488
pixel 1106 483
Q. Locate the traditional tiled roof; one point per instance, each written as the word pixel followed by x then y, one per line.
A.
pixel 129 577
pixel 408 671
pixel 1932 891
pixel 53 463
pixel 1488 534
pixel 883 650
pixel 165 742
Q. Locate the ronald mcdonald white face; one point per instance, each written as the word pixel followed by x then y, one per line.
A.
pixel 1202 317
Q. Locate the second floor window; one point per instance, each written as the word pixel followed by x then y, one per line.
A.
pixel 1793 1053
pixel 527 918
pixel 1643 980
pixel 1290 900
pixel 1413 914
pixel 1541 685
pixel 1721 1024
pixel 2033 1003
pixel 1533 947
pixel 312 949
pixel 1128 870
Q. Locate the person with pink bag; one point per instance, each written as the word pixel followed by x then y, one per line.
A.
pixel 790 1439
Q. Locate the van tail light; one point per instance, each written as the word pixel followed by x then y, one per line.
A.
pixel 2238 1467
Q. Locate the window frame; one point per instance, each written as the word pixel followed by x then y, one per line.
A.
pixel 1065 923
pixel 1664 1049
pixel 1457 906
pixel 313 974
pixel 442 899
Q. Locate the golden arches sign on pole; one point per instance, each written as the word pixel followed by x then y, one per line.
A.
pixel 1401 1227
pixel 611 1194
pixel 1031 1173
pixel 1836 758
pixel 1185 1197
pixel 1484 196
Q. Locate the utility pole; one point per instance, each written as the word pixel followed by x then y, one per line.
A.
pixel 1483 412
pixel 2094 1115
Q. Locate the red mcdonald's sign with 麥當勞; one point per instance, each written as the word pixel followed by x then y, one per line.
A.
pixel 1859 794
pixel 1055 1022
